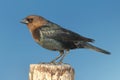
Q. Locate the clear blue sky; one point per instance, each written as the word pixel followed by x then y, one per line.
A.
pixel 97 19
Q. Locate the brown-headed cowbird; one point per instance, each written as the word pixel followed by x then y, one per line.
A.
pixel 53 37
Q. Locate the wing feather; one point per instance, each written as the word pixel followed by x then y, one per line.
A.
pixel 56 32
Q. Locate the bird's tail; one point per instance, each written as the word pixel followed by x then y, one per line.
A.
pixel 89 46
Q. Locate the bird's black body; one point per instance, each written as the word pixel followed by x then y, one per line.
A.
pixel 53 37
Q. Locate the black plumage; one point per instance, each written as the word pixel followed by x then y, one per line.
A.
pixel 53 37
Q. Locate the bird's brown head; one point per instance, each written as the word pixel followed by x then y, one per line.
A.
pixel 34 21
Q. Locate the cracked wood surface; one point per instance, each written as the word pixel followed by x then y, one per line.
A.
pixel 51 72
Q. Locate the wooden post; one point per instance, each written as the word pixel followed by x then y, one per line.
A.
pixel 51 72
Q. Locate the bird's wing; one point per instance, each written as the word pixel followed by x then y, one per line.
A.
pixel 56 32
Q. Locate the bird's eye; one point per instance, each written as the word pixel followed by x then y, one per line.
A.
pixel 30 20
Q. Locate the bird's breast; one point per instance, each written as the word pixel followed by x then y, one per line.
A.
pixel 51 44
pixel 48 43
pixel 36 35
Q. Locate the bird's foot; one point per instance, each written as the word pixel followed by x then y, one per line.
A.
pixel 56 63
pixel 42 63
pixel 53 62
pixel 60 62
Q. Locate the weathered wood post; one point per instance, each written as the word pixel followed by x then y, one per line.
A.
pixel 51 72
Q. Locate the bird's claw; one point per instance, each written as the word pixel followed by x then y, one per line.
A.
pixel 60 62
pixel 56 63
pixel 52 62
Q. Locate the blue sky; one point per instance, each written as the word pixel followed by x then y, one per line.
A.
pixel 97 19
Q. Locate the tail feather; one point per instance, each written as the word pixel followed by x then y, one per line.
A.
pixel 89 46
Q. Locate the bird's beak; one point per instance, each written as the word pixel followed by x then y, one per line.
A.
pixel 24 21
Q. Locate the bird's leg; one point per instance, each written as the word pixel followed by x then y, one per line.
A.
pixel 63 56
pixel 61 53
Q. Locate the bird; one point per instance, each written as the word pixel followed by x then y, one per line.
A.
pixel 54 37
